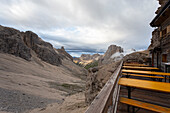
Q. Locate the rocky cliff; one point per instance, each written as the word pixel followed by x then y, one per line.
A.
pixel 96 79
pixel 85 59
pixel 140 57
pixel 64 54
pixel 98 76
pixel 111 55
pixel 24 44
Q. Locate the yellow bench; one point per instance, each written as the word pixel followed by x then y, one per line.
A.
pixel 146 85
pixel 144 76
pixel 140 65
pixel 144 105
pixel 145 72
pixel 140 68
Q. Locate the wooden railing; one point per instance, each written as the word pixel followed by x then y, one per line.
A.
pixel 107 99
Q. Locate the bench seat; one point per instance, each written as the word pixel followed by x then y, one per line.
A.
pixel 144 76
pixel 144 105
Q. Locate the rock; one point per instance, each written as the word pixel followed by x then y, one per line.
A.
pixel 93 86
pixel 107 57
pixel 90 57
pixel 98 76
pixel 44 50
pixel 11 42
pixel 141 57
pixel 96 79
pixel 64 53
pixel 22 43
pixel 85 59
pixel 95 69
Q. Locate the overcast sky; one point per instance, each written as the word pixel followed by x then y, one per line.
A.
pixel 83 25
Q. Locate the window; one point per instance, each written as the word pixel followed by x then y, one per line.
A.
pixel 164 57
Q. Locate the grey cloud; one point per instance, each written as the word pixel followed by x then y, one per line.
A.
pixel 128 17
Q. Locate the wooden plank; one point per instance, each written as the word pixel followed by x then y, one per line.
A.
pixel 145 72
pixel 144 68
pixel 104 99
pixel 144 105
pixel 144 76
pixel 130 64
pixel 145 84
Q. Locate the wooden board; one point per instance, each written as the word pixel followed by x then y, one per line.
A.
pixel 144 76
pixel 145 72
pixel 140 68
pixel 145 84
pixel 144 105
pixel 140 65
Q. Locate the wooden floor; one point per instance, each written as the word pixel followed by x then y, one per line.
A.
pixel 144 95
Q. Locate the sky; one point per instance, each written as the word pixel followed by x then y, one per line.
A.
pixel 83 26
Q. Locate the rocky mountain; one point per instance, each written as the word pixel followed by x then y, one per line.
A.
pixel 98 76
pixel 34 76
pixel 96 79
pixel 139 56
pixel 90 57
pixel 24 44
pixel 85 59
pixel 112 54
pixel 64 54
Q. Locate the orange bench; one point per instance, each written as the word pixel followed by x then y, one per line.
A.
pixel 140 68
pixel 146 85
pixel 147 76
pixel 144 105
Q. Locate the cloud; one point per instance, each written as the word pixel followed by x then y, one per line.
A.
pixel 83 24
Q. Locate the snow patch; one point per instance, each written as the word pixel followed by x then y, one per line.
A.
pixel 117 56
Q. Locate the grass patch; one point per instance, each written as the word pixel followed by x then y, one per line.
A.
pixel 69 88
pixel 91 65
pixel 77 63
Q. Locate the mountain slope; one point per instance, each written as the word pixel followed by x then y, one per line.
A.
pixel 33 74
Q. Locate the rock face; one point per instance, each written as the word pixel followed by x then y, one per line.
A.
pixel 96 79
pixel 98 76
pixel 11 42
pixel 85 59
pixel 141 57
pixel 109 54
pixel 90 57
pixel 22 43
pixel 64 53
